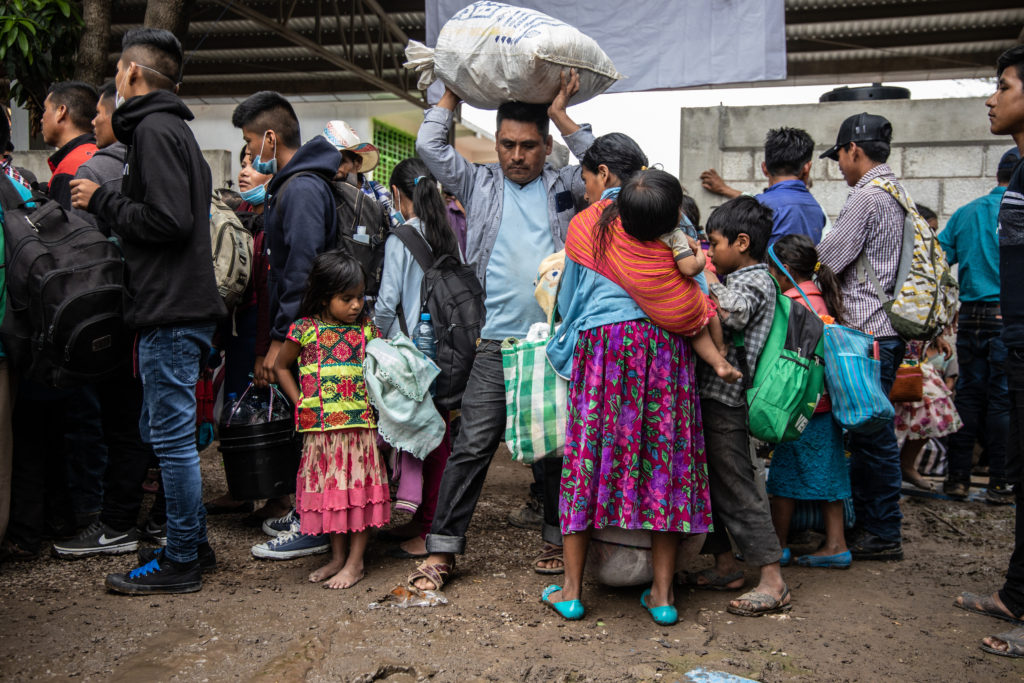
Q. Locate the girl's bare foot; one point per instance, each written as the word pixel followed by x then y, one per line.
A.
pixel 912 477
pixel 346 578
pixel 727 372
pixel 327 571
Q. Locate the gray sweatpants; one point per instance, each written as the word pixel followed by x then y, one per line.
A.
pixel 738 503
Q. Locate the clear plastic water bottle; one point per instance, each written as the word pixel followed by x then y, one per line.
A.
pixel 425 341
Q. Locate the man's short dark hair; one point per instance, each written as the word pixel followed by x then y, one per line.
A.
pixel 269 110
pixel 743 215
pixel 876 150
pixel 1012 57
pixel 786 150
pixel 525 112
pixel 158 49
pixel 108 90
pixel 926 212
pixel 80 99
pixel 1003 176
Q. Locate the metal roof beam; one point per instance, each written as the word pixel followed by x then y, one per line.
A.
pixel 317 49
pixel 902 25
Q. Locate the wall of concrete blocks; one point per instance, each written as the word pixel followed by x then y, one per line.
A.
pixel 941 149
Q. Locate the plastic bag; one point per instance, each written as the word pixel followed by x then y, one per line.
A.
pixel 622 557
pixel 258 406
pixel 490 53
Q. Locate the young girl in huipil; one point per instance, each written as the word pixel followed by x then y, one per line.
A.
pixel 815 466
pixel 342 486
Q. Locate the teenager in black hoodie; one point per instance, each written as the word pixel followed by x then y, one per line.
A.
pixel 161 218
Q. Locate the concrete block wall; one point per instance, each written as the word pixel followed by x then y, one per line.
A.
pixel 942 149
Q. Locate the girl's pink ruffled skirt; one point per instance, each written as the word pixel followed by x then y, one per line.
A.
pixel 342 485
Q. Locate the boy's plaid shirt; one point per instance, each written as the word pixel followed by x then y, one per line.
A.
pixel 748 299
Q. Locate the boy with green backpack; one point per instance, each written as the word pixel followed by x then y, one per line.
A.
pixel 739 231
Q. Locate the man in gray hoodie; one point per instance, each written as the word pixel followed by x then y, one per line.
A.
pixel 106 166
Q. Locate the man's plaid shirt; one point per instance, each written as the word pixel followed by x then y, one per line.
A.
pixel 746 304
pixel 871 222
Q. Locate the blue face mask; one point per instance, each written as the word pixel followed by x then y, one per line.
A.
pixel 265 167
pixel 254 195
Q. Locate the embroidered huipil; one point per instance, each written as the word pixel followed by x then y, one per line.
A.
pixel 332 393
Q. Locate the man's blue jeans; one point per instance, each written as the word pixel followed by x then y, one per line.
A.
pixel 982 397
pixel 875 475
pixel 169 363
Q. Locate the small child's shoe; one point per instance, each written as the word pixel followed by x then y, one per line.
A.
pixel 837 561
pixel 663 616
pixel 567 609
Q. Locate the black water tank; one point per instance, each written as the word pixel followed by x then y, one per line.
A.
pixel 875 91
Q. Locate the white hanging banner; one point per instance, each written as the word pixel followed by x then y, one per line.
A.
pixel 667 43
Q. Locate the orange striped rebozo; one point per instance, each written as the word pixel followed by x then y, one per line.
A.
pixel 646 270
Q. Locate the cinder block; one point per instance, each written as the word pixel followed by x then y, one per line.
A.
pixel 943 162
pixel 831 195
pixel 924 191
pixel 737 166
pixel 895 161
pixel 993 153
pixel 819 167
pixel 959 191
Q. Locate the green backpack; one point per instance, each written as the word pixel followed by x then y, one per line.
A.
pixel 787 384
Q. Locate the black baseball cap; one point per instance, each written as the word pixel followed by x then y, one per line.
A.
pixel 862 127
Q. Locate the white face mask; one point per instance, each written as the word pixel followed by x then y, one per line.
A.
pixel 118 99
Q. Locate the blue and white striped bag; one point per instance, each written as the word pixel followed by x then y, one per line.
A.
pixel 854 381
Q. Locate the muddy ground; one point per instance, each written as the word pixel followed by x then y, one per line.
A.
pixel 261 620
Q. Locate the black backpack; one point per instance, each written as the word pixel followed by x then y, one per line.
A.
pixel 64 324
pixel 452 295
pixel 355 209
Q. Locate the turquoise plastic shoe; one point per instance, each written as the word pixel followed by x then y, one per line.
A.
pixel 567 609
pixel 787 557
pixel 665 616
pixel 838 561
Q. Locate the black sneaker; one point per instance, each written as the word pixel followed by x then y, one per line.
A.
pixel 999 494
pixel 153 532
pixel 867 546
pixel 158 576
pixel 98 539
pixel 207 558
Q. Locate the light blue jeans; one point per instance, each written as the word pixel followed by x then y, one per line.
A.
pixel 170 359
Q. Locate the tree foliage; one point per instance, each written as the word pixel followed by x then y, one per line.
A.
pixel 38 40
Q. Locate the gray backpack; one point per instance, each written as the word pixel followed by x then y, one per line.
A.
pixel 232 252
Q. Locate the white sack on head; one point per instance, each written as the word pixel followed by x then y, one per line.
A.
pixel 490 53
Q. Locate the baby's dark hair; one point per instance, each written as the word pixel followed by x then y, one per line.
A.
pixel 648 205
pixel 799 255
pixel 691 211
pixel 333 272
pixel 743 215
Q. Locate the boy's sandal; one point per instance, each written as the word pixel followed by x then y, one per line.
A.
pixel 713 581
pixel 663 616
pixel 435 573
pixel 550 552
pixel 1014 644
pixel 567 609
pixel 761 603
pixel 984 604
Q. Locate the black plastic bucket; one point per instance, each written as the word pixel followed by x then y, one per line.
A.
pixel 262 460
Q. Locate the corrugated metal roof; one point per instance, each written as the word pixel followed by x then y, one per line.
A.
pixel 827 40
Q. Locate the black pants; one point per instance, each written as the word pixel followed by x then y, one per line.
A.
pixel 128 457
pixel 39 475
pixel 483 425
pixel 1012 593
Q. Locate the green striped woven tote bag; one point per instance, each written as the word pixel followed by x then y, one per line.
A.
pixel 535 400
